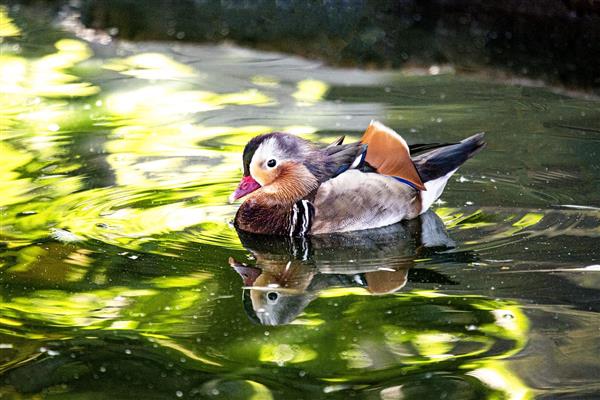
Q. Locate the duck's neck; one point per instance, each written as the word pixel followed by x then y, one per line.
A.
pixel 268 209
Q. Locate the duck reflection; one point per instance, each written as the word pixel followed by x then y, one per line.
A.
pixel 290 272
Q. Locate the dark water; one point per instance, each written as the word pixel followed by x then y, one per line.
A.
pixel 116 277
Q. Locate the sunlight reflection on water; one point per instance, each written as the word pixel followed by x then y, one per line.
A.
pixel 115 232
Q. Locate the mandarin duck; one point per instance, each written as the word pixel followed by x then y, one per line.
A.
pixel 294 187
pixel 291 272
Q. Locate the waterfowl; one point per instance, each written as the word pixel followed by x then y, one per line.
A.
pixel 294 187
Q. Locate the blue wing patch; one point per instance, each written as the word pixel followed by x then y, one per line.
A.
pixel 358 162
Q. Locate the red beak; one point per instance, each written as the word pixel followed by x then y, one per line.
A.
pixel 247 185
pixel 248 273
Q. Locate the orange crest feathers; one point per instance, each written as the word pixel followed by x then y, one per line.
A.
pixel 388 153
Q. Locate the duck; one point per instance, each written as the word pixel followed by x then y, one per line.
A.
pixel 294 187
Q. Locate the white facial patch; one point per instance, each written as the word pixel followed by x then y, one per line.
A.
pixel 268 150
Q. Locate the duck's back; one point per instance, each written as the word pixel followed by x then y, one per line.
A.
pixel 401 188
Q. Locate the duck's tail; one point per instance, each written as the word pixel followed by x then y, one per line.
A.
pixel 437 166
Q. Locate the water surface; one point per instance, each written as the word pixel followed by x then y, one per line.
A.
pixel 116 237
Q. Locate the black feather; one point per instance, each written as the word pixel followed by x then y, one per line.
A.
pixel 337 142
pixel 418 148
pixel 441 160
pixel 343 156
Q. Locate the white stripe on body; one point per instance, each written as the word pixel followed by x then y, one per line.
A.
pixel 306 217
pixel 294 219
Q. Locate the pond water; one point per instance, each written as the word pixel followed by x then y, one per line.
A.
pixel 117 247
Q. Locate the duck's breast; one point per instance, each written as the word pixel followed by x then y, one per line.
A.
pixel 356 200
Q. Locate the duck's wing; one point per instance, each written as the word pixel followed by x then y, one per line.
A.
pixel 389 154
pixel 357 200
pixel 341 157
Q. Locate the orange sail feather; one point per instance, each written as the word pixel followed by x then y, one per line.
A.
pixel 388 153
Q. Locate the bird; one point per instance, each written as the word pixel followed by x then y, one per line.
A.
pixel 294 187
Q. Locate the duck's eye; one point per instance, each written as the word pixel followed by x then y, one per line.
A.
pixel 271 163
pixel 272 296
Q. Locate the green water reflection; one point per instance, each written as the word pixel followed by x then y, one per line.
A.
pixel 115 232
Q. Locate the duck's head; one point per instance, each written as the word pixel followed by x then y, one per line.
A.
pixel 269 158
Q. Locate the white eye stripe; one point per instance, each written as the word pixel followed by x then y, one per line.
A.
pixel 266 151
